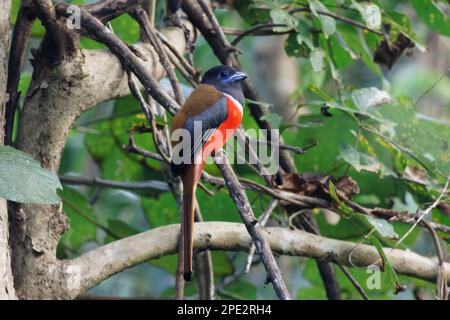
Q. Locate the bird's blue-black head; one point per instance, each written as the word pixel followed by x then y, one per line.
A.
pixel 226 79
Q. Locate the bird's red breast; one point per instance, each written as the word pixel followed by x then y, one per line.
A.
pixel 225 131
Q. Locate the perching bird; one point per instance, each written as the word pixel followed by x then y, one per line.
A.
pixel 209 118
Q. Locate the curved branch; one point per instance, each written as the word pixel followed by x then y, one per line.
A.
pixel 101 263
pixel 62 93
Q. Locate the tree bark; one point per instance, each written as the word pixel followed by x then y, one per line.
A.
pixel 56 97
pixel 6 278
pixel 100 263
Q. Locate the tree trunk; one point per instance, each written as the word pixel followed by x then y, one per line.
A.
pixel 57 96
pixel 6 279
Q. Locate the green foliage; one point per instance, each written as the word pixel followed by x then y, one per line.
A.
pixel 23 180
pixel 365 129
pixel 432 15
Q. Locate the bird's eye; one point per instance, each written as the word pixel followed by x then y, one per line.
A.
pixel 223 74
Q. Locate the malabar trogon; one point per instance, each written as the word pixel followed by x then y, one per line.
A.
pixel 207 119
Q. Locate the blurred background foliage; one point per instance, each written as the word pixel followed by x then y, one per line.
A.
pixel 393 141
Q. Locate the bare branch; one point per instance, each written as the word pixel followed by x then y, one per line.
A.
pixel 97 181
pixel 143 20
pixel 21 34
pixel 100 263
pixel 441 281
pixel 262 220
pixel 128 59
pixel 255 229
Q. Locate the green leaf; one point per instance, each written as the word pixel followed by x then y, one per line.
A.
pixel 419 139
pixel 430 14
pixel 366 98
pixel 341 54
pixel 14 10
pixel 304 35
pixel 387 265
pixel 297 46
pixel 250 12
pixel 282 17
pixel 356 43
pixel 23 180
pixel 362 161
pixel 370 12
pixel 320 93
pixel 334 72
pixel 316 58
pixel 384 228
pixel 328 23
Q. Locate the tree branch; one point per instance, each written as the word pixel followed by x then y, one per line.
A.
pixel 254 228
pixel 21 34
pixel 97 181
pixel 101 263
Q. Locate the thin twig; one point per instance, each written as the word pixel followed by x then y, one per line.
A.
pixel 187 66
pixel 143 20
pixel 128 59
pixel 253 227
pixel 424 213
pixel 432 86
pixel 253 30
pixel 131 147
pixel 21 34
pixel 294 149
pixel 192 81
pixel 90 219
pixel 203 266
pixel 149 115
pixel 262 221
pixel 216 29
pixel 97 181
pixel 441 280
pixel 354 282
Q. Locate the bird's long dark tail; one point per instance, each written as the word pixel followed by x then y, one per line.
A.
pixel 190 180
